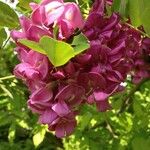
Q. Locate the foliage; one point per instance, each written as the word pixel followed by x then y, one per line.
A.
pixel 125 127
pixel 138 10
pixel 78 45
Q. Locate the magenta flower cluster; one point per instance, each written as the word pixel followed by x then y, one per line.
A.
pixel 91 77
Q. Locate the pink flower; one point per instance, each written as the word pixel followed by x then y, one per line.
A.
pixel 26 71
pixel 48 116
pixel 55 12
pixel 41 99
pixel 91 77
pixel 30 68
pixel 54 104
pixel 61 108
pixel 29 30
pixel 63 126
pixel 72 95
pixel 113 50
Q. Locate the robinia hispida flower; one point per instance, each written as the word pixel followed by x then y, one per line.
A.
pixel 67 61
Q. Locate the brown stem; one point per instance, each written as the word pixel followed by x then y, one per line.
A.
pixel 143 33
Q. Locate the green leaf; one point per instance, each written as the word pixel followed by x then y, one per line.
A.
pixel 140 143
pixel 116 5
pixel 86 118
pixel 5 119
pixel 3 36
pixel 3 87
pixel 120 6
pixel 32 45
pixel 80 43
pixel 124 8
pixel 134 12
pixel 137 109
pixel 23 124
pixel 145 14
pixel 24 4
pixel 139 12
pixel 37 1
pixel 39 137
pixel 58 52
pixel 12 131
pixel 8 17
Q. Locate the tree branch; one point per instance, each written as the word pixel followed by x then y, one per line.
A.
pixel 127 100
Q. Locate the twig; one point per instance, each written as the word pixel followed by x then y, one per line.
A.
pixel 5 43
pixel 7 77
pixel 143 33
pixel 107 125
pixel 127 99
pixel 110 129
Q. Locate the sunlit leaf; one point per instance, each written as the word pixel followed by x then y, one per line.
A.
pixel 24 4
pixel 32 45
pixel 39 137
pixel 80 44
pixel 6 90
pixel 58 52
pixel 86 118
pixel 11 134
